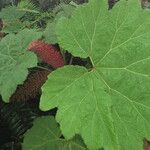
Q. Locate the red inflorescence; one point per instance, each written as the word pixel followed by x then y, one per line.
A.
pixel 47 53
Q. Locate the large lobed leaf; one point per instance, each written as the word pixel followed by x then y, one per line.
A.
pixel 109 105
pixel 45 135
pixel 15 60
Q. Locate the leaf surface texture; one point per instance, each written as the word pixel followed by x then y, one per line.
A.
pixel 109 105
pixel 45 134
pixel 15 59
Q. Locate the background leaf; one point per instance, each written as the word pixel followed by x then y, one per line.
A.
pixel 46 135
pixel 63 10
pixel 11 13
pixel 10 17
pixel 15 60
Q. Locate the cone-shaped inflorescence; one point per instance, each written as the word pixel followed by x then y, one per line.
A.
pixel 31 86
pixel 47 53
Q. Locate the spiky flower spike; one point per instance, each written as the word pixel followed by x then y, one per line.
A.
pixel 47 53
pixel 30 88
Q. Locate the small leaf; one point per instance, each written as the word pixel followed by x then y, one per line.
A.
pixel 12 27
pixel 11 13
pixel 49 33
pixel 63 10
pixel 10 17
pixel 15 60
pixel 45 134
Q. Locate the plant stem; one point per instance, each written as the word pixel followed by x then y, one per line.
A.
pixel 71 60
pixel 29 10
pixel 40 67
pixel 92 62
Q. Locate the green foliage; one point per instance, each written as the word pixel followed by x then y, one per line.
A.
pixel 45 134
pixel 63 10
pixel 106 102
pixel 31 15
pixel 25 14
pixel 10 16
pixel 109 104
pixel 11 13
pixel 15 60
pixel 15 120
pixel 4 3
pixel 28 6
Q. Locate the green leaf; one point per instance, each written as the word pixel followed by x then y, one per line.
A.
pixel 15 60
pixel 45 134
pixel 13 27
pixel 10 17
pixel 49 33
pixel 109 105
pixel 63 10
pixel 11 13
pixel 79 112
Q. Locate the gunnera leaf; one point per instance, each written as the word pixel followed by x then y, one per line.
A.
pixel 15 60
pixel 108 105
pixel 46 135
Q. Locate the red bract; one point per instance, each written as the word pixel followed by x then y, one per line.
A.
pixel 47 53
